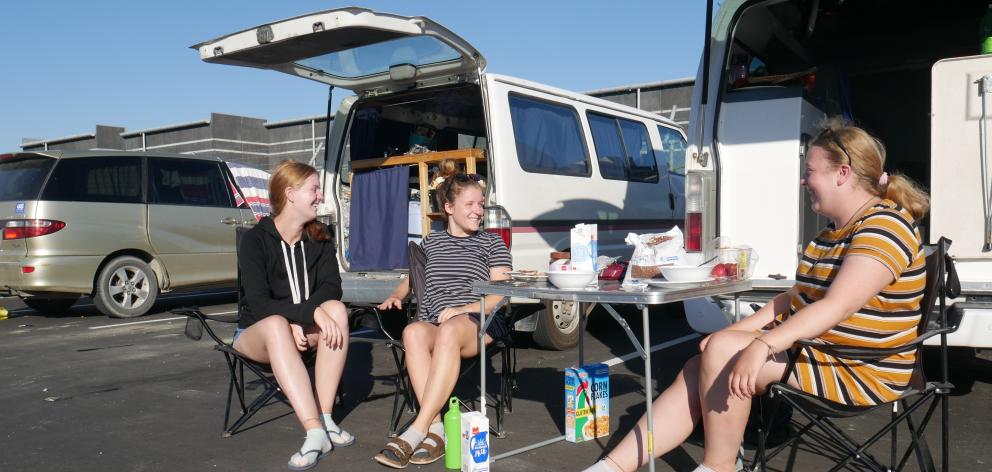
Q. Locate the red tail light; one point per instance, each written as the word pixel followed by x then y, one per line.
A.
pixel 694 231
pixel 498 221
pixel 21 229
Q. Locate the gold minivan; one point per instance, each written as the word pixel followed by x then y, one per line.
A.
pixel 118 226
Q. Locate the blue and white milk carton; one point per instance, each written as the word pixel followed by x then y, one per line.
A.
pixel 475 442
pixel 584 251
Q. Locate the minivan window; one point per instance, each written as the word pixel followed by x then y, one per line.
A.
pixel 548 137
pixel 187 182
pixel 21 178
pixel 623 149
pixel 673 149
pixel 110 179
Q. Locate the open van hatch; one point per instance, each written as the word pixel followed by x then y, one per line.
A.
pixel 352 48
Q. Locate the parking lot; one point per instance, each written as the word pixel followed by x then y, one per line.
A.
pixel 85 392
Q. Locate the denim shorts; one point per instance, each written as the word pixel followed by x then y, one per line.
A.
pixel 237 333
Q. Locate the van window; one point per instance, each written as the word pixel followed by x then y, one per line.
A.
pixel 111 179
pixel 673 149
pixel 623 149
pixel 548 136
pixel 187 182
pixel 21 179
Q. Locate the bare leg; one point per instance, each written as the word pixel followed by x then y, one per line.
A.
pixel 330 362
pixel 271 341
pixel 456 338
pixel 418 340
pixel 687 400
pixel 725 416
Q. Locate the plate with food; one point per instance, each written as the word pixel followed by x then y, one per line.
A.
pixel 528 275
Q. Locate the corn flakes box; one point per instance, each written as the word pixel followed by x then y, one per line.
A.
pixel 587 402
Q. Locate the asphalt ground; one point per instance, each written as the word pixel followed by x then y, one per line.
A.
pixel 83 392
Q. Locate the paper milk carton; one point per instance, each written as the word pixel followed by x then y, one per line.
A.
pixel 587 402
pixel 584 251
pixel 475 442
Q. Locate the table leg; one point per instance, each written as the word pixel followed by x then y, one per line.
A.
pixel 582 329
pixel 482 355
pixel 648 386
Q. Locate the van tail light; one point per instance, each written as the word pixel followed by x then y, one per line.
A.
pixel 694 206
pixel 22 229
pixel 497 221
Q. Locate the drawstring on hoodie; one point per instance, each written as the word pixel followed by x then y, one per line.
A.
pixel 294 281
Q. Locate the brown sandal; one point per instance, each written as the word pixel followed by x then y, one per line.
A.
pixel 427 453
pixel 396 454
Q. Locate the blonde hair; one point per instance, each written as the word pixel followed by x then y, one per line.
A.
pixel 865 155
pixel 293 174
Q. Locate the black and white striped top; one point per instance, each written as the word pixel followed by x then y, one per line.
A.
pixel 454 263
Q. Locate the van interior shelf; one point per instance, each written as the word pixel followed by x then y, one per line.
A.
pixel 468 157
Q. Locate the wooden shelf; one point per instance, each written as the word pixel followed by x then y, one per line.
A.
pixel 466 156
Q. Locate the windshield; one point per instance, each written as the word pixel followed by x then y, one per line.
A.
pixel 21 178
pixel 377 58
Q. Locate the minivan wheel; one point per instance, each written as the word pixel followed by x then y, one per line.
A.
pixel 127 287
pixel 558 326
pixel 50 305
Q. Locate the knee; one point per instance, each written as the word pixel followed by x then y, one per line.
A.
pixel 414 335
pixel 721 347
pixel 338 312
pixel 451 334
pixel 273 324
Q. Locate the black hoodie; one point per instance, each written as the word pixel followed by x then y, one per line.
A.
pixel 266 287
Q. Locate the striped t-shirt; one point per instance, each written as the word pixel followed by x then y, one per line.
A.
pixel 884 232
pixel 455 263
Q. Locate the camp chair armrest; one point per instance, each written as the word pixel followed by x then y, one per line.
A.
pixel 864 353
pixel 194 313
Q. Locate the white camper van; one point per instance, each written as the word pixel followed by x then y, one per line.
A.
pixel 550 158
pixel 905 71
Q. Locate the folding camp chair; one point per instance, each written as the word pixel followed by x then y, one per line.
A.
pixel 403 397
pixel 196 324
pixel 923 395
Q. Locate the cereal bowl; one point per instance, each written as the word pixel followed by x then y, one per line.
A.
pixel 687 273
pixel 572 278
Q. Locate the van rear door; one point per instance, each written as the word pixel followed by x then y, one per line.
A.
pixel 21 178
pixel 959 179
pixel 353 48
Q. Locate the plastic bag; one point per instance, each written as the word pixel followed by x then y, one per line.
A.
pixel 654 250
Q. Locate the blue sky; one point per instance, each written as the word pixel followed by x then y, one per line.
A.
pixel 66 66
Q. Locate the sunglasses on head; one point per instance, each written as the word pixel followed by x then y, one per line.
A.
pixel 462 177
pixel 829 133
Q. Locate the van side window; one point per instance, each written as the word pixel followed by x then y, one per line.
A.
pixel 673 149
pixel 95 179
pixel 623 149
pixel 548 137
pixel 187 182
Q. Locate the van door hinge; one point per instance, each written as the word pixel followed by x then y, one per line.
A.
pixel 701 158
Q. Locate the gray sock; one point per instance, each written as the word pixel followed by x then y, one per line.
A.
pixel 413 437
pixel 601 466
pixel 436 428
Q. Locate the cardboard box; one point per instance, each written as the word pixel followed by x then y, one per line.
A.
pixel 475 442
pixel 587 402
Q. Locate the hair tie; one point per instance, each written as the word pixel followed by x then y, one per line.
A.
pixel 883 179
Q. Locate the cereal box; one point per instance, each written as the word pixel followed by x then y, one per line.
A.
pixel 587 402
pixel 475 442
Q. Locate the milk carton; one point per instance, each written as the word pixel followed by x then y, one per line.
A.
pixel 587 402
pixel 584 250
pixel 475 442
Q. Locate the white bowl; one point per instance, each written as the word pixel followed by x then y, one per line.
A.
pixel 686 273
pixel 571 278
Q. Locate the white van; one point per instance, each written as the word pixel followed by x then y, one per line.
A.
pixel 772 69
pixel 551 158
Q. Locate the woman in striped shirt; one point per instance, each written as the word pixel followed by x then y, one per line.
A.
pixel 859 282
pixel 435 344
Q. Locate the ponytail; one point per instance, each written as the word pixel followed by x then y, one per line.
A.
pixel 907 194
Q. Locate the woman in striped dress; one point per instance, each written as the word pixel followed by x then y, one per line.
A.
pixel 860 282
pixel 456 258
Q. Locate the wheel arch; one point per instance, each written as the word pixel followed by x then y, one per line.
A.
pixel 160 272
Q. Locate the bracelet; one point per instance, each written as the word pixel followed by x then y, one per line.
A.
pixel 771 350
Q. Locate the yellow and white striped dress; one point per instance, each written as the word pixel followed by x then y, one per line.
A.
pixel 884 232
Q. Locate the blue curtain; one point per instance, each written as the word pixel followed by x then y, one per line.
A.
pixel 379 219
